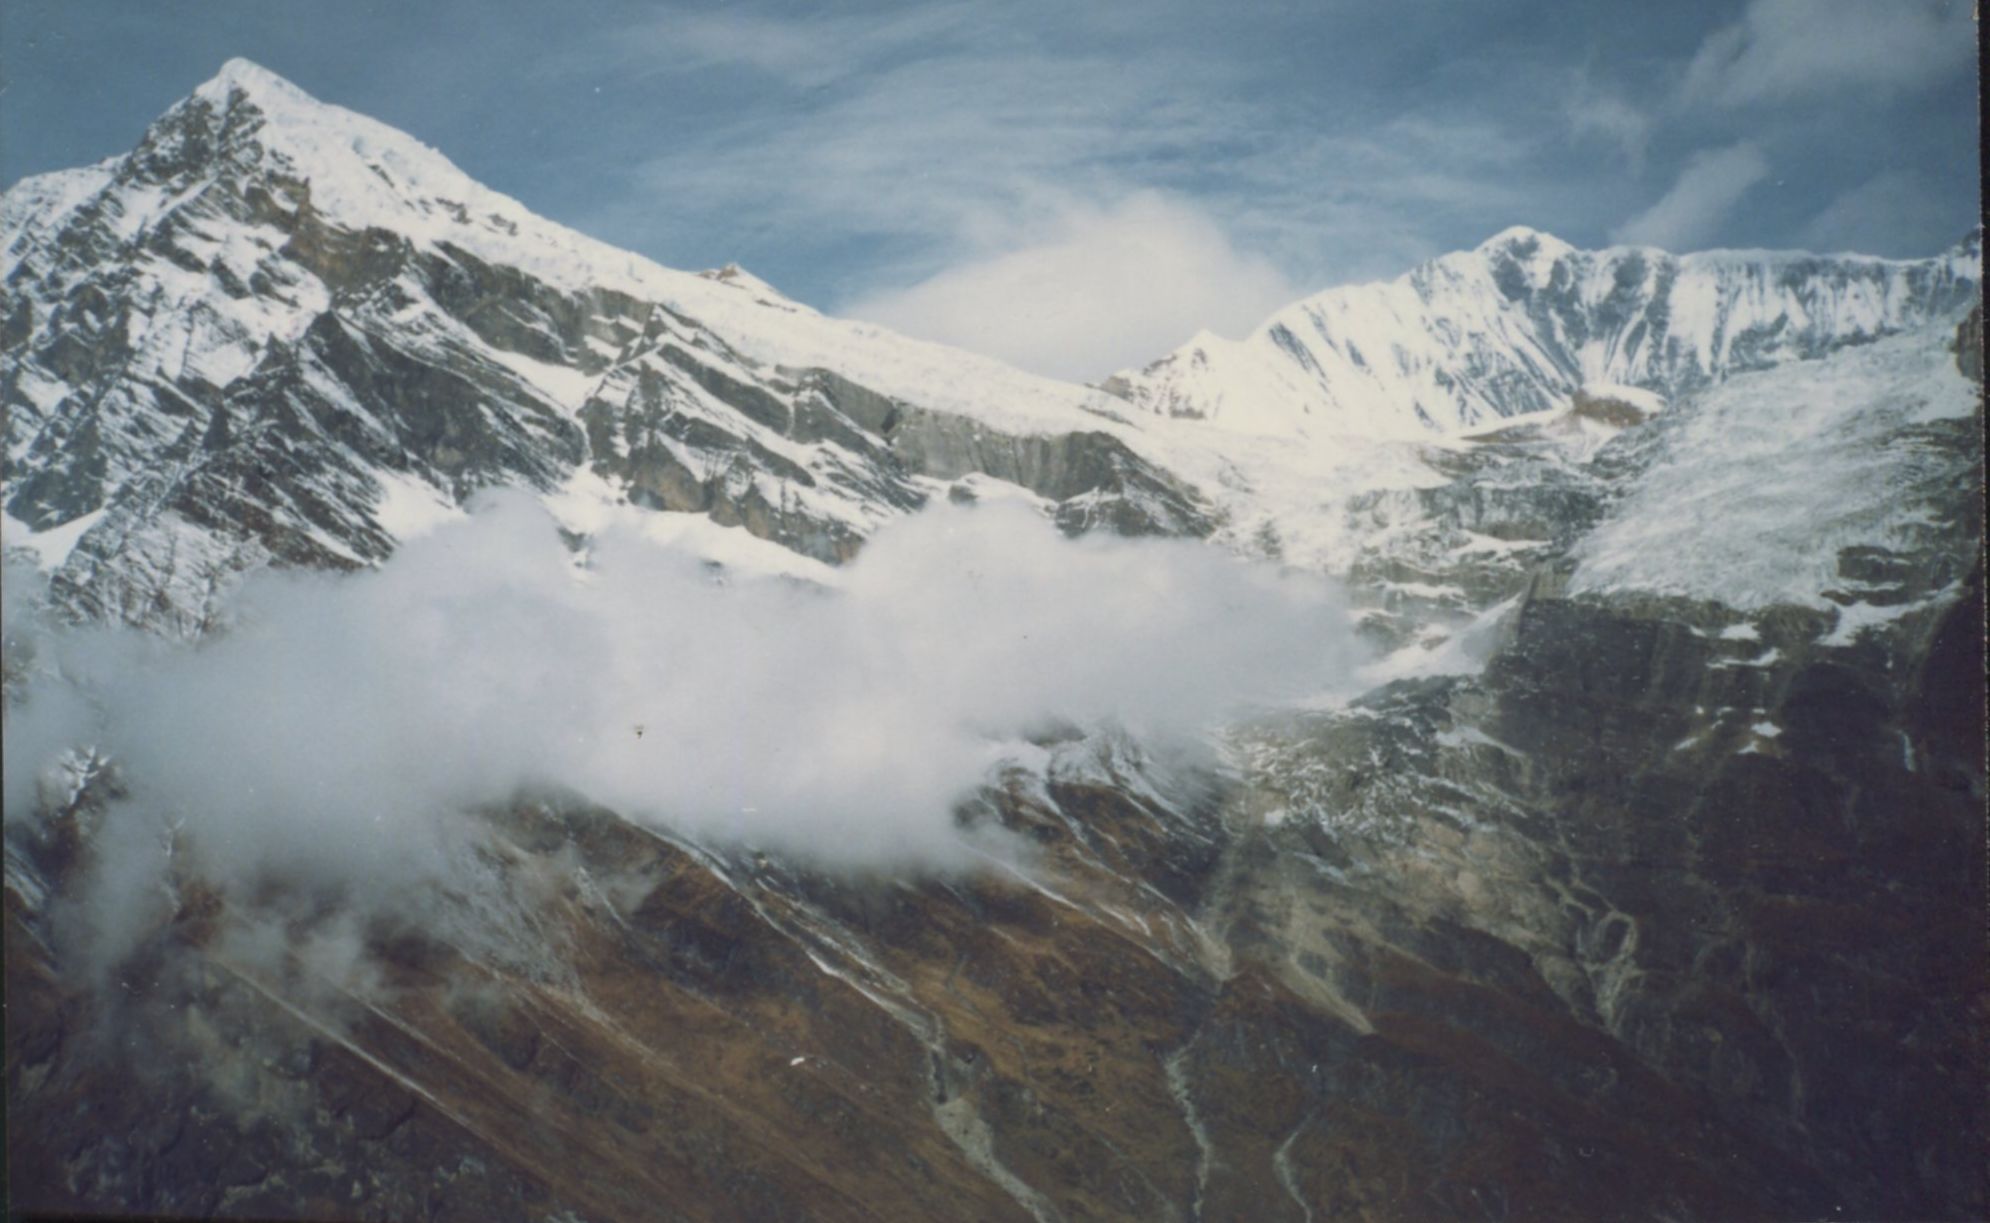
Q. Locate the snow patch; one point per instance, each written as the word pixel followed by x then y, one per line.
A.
pixel 563 384
pixel 1857 619
pixel 51 547
pixel 409 507
pixel 1461 653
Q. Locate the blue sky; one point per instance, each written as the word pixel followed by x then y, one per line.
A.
pixel 956 168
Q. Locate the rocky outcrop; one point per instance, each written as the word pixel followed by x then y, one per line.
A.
pixel 1969 344
pixel 1096 479
pixel 1616 410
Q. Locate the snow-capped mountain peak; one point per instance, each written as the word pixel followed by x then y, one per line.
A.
pixel 240 75
pixel 1531 249
pixel 323 144
pixel 272 284
pixel 247 123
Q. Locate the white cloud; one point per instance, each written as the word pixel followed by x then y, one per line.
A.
pixel 1706 191
pixel 333 737
pixel 1786 49
pixel 1595 112
pixel 1103 290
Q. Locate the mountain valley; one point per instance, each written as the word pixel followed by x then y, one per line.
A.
pixel 1634 872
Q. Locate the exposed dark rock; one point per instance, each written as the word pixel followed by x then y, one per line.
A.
pixel 1969 344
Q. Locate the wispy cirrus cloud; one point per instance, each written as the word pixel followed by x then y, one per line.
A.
pixel 965 154
pixel 805 50
pixel 1593 112
pixel 960 148
pixel 926 160
pixel 1703 195
pixel 1786 49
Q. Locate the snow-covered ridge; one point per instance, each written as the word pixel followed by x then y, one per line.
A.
pixel 1516 325
pixel 366 173
pixel 281 332
pixel 42 203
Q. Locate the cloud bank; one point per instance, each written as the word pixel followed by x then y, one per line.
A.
pixel 1105 289
pixel 333 735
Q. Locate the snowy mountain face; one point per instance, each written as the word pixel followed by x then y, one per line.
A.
pixel 1521 323
pixel 1641 880
pixel 277 332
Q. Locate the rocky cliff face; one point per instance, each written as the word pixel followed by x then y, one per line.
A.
pixel 277 332
pixel 1644 880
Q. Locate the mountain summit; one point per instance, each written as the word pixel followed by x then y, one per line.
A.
pixel 271 284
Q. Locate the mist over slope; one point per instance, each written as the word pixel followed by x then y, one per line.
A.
pixel 339 724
